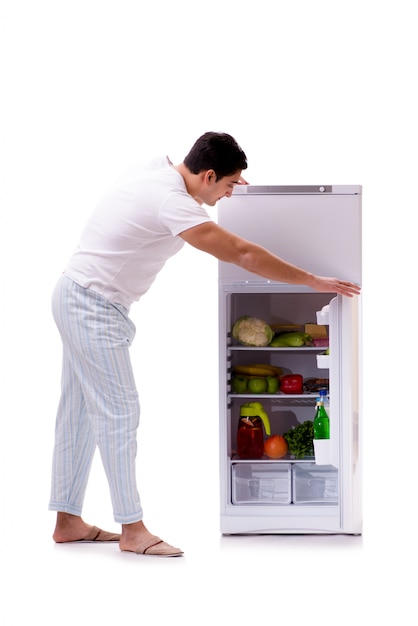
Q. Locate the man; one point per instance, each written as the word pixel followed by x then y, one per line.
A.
pixel 145 218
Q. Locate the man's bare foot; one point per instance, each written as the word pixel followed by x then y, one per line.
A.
pixel 70 528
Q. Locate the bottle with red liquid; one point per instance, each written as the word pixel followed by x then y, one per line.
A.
pixel 250 437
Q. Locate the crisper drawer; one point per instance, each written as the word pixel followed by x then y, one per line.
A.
pixel 313 483
pixel 258 483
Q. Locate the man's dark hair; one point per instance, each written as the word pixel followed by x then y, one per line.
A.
pixel 216 151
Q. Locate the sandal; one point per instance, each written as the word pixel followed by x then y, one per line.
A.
pixel 157 547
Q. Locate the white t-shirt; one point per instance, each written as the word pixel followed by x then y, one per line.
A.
pixel 133 231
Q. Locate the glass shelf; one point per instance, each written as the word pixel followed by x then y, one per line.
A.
pixel 305 399
pixel 288 458
pixel 278 349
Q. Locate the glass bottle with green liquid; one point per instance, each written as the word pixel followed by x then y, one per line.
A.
pixel 321 421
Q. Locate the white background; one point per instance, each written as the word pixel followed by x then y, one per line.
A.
pixel 315 92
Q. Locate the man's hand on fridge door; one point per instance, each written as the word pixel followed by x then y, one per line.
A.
pixel 343 287
pixel 242 181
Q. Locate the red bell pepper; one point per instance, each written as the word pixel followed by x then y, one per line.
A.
pixel 291 383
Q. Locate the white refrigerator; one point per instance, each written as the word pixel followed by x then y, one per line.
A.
pixel 318 228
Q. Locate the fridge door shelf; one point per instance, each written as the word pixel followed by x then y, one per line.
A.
pixel 323 451
pixel 322 361
pixel 322 316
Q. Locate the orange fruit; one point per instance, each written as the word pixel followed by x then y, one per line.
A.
pixel 275 447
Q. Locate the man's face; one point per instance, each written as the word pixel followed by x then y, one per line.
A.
pixel 215 190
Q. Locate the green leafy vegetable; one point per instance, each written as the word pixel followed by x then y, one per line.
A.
pixel 300 439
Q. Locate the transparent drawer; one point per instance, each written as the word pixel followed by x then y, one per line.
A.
pixel 313 483
pixel 261 483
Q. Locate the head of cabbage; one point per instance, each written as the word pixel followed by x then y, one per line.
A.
pixel 251 331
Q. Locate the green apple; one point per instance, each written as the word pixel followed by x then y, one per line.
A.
pixel 239 384
pixel 257 385
pixel 272 384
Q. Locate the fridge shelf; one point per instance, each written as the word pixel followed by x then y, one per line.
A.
pixel 273 349
pixel 305 399
pixel 287 458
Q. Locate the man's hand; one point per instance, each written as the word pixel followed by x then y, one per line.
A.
pixel 343 287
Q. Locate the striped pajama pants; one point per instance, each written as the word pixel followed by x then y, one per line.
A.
pixel 99 402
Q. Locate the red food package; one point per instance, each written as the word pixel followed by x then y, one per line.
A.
pixel 321 342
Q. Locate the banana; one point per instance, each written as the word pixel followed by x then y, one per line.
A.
pixel 250 376
pixel 255 370
pixel 278 371
pixel 275 371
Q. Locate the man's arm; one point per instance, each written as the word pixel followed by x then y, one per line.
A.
pixel 226 246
